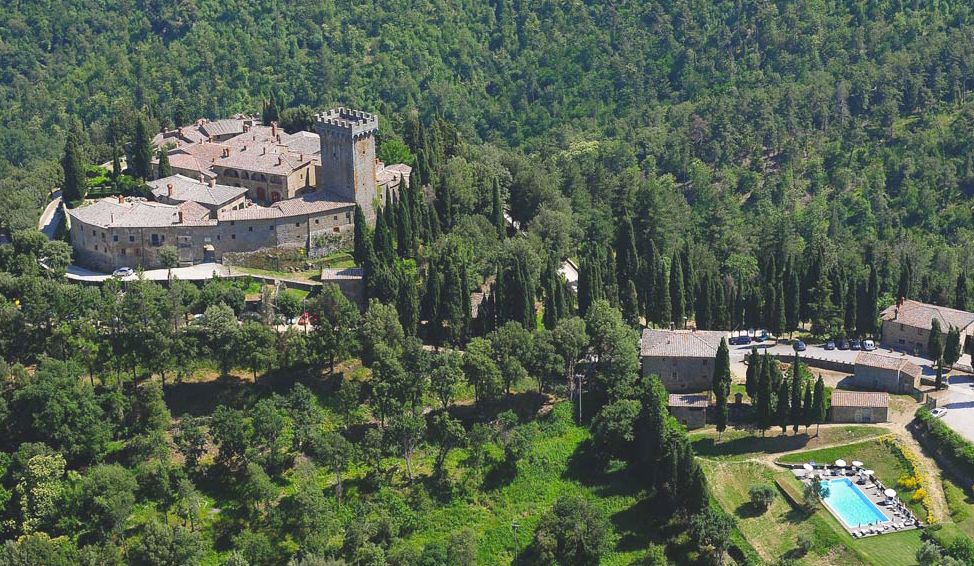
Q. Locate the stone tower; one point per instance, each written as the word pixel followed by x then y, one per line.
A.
pixel 348 156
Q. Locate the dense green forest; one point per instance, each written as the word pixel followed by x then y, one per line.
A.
pixel 792 166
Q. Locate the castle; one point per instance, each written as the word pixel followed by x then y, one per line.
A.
pixel 240 186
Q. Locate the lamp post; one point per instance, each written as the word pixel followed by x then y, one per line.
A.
pixel 515 526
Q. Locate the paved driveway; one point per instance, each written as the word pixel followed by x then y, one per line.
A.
pixel 959 402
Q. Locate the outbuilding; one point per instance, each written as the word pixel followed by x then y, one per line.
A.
pixel 880 372
pixel 690 410
pixel 859 407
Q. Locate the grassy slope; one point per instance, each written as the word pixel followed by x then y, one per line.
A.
pixel 743 444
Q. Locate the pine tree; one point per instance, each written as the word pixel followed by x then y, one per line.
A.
pixel 497 209
pixel 796 394
pixel 140 161
pixel 164 169
pixel 818 404
pixel 75 184
pixel 361 240
pixel 677 292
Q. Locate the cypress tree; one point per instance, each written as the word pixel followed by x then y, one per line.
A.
pixel 116 163
pixel 75 184
pixel 807 407
pixel 904 288
pixel 361 240
pixel 405 240
pixel 818 404
pixel 779 321
pixel 765 405
pixel 940 374
pixel 465 301
pixel 382 239
pixel 689 281
pixel 872 303
pixel 407 302
pixel 720 418
pixel 850 309
pixel 721 313
pixel 792 297
pixel 434 223
pixel 753 375
pixel 783 410
pixel 389 211
pixel 703 307
pixel 722 373
pixel 627 262
pixel 165 169
pixel 935 343
pixel 664 314
pixel 677 292
pixel 648 276
pixel 270 112
pixel 497 209
pixel 140 162
pixel 609 281
pixel 796 394
pixel 960 292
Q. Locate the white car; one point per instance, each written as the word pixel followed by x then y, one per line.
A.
pixel 938 412
pixel 123 272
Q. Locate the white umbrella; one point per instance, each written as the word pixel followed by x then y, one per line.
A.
pixel 808 467
pixel 891 493
pixel 856 464
pixel 869 472
pixel 840 463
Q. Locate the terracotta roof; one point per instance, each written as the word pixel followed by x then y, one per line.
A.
pixel 263 158
pixel 223 127
pixel 892 363
pixel 308 143
pixel 684 400
pixel 184 189
pixel 109 213
pixel 193 211
pixel 680 343
pixel 842 398
pixel 188 162
pixel 920 315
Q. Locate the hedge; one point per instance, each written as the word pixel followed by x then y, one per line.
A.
pixel 952 445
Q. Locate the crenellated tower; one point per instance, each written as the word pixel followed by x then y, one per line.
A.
pixel 348 156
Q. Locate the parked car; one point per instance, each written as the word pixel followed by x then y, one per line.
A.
pixel 843 344
pixel 855 344
pixel 760 335
pixel 123 272
pixel 868 345
pixel 938 412
pixel 830 345
pixel 799 346
pixel 736 340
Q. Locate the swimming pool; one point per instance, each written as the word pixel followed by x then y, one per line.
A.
pixel 851 506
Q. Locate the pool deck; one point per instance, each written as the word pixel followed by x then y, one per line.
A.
pixel 901 518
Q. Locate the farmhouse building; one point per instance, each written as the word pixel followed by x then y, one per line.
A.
pixel 907 324
pixel 880 372
pixel 683 359
pixel 859 407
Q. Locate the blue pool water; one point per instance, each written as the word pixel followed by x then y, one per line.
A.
pixel 851 505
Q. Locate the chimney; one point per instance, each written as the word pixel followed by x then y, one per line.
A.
pixel 280 160
pixel 209 139
pixel 246 127
pixel 226 152
pixel 180 213
pixel 273 129
pixel 201 177
pixel 169 189
pixel 263 150
pixel 212 183
pixel 121 199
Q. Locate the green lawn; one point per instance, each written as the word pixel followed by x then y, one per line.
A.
pixel 741 444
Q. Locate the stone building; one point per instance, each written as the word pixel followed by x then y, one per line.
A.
pixel 880 372
pixel 907 324
pixel 859 407
pixel 216 198
pixel 689 410
pixel 226 171
pixel 683 359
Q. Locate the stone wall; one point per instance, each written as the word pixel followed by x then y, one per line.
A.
pixel 681 374
pixel 690 417
pixel 870 378
pixel 859 414
pixel 105 249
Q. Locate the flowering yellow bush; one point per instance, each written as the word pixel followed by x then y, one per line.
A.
pixel 907 482
pixel 919 495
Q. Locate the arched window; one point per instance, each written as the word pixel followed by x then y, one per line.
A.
pixel 275 196
pixel 244 175
pixel 261 193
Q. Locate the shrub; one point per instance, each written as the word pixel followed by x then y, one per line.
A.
pixel 918 495
pixel 762 495
pixel 907 482
pixel 804 543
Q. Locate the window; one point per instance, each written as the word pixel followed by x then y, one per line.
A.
pixel 154 239
pixel 901 326
pixel 233 236
pixel 218 238
pixel 336 217
pixel 335 229
pixel 316 221
pixel 94 232
pixel 297 224
pixel 131 238
pixel 96 247
pixel 271 227
pixel 123 251
pixel 114 237
pixel 250 228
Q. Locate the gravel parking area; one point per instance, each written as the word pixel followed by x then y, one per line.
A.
pixel 958 399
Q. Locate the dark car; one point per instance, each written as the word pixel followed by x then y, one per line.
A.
pixel 760 335
pixel 830 345
pixel 855 344
pixel 741 340
pixel 842 344
pixel 799 346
